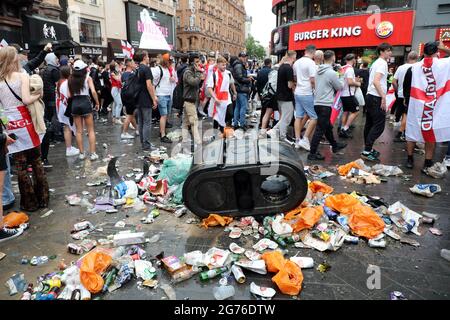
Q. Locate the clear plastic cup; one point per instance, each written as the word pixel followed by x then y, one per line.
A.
pixel 223 292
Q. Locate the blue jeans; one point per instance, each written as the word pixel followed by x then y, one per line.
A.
pixel 8 195
pixel 241 109
pixel 145 126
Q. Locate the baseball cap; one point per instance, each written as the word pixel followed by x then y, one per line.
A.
pixel 212 54
pixel 243 54
pixel 431 48
pixel 79 65
pixel 19 49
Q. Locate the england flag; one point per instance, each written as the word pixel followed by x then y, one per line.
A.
pixel 127 49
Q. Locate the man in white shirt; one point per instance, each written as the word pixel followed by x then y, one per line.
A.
pixel 305 70
pixel 349 102
pixel 162 80
pixel 399 79
pixel 376 102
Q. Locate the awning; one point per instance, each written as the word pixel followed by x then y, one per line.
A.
pixel 38 31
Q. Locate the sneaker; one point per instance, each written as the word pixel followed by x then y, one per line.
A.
pixel 82 156
pixel 446 161
pixel 272 134
pixel 8 234
pixel 118 121
pixel 126 136
pixel 46 163
pixel 316 157
pixel 165 140
pixel 304 144
pixel 409 163
pixel 262 133
pixel 376 153
pixel 94 157
pixel 137 133
pixel 370 156
pixel 72 152
pixel 339 146
pixel 345 134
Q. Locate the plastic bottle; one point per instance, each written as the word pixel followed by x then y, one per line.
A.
pixel 445 254
pixel 211 274
pixel 109 279
pixel 223 292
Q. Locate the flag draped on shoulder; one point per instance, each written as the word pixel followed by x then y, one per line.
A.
pixel 429 108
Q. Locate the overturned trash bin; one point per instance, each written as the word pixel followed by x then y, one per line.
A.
pixel 245 177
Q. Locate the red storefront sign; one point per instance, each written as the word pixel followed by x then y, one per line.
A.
pixel 275 2
pixel 443 34
pixel 366 30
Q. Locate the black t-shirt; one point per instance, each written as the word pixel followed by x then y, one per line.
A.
pixel 145 73
pixel 365 75
pixel 285 74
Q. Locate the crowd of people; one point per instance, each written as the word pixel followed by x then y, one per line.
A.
pixel 51 98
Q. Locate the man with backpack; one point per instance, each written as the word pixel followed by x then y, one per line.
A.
pixel 269 99
pixel 178 100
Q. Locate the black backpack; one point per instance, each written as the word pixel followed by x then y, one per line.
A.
pixel 131 89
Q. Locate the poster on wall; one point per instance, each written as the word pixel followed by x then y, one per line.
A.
pixel 149 29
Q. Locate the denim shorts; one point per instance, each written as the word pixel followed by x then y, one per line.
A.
pixel 304 105
pixel 163 105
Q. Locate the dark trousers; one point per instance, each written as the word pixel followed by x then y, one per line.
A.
pixel 145 126
pixel 34 193
pixel 107 100
pixel 324 127
pixel 375 121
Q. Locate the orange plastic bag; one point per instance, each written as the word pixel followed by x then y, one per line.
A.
pixel 228 132
pixel 307 219
pixel 345 169
pixel 319 186
pixel 364 222
pixel 215 220
pixel 15 219
pixel 275 261
pixel 93 264
pixel 342 203
pixel 290 278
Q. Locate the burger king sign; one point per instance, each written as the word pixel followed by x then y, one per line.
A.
pixel 384 30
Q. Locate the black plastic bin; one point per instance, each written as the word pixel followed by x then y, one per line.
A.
pixel 245 177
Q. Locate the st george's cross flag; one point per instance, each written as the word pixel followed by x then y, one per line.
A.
pixel 429 107
pixel 390 98
pixel 127 49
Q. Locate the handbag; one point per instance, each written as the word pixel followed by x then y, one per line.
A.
pixel 360 97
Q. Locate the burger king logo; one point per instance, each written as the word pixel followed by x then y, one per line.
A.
pixel 385 29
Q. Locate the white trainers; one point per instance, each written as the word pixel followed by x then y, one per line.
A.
pixel 117 121
pixel 126 136
pixel 446 161
pixel 94 156
pixel 304 144
pixel 272 133
pixel 82 156
pixel 137 133
pixel 72 152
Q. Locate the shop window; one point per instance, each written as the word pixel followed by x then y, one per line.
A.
pixel 290 14
pixel 90 31
pixel 302 10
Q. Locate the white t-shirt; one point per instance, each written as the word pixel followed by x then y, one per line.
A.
pixel 400 77
pixel 348 74
pixel 379 66
pixel 304 69
pixel 227 81
pixel 165 87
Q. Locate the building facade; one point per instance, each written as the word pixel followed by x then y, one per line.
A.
pixel 133 21
pixel 87 24
pixel 32 24
pixel 358 26
pixel 211 25
pixel 248 26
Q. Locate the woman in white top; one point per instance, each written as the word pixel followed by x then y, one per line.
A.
pixel 79 84
pixel 15 96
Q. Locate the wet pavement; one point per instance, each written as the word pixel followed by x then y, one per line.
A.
pixel 419 273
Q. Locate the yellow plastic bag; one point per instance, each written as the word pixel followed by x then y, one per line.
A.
pixel 215 220
pixel 345 169
pixel 342 203
pixel 15 219
pixel 290 278
pixel 319 186
pixel 274 261
pixel 307 218
pixel 93 264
